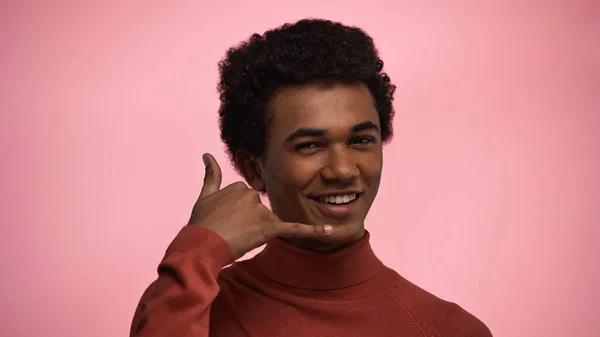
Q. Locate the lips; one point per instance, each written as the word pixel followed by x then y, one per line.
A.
pixel 339 206
pixel 338 199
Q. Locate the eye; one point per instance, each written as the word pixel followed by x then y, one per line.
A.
pixel 362 141
pixel 308 146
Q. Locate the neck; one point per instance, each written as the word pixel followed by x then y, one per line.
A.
pixel 300 268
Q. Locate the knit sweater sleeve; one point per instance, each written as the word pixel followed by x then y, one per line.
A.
pixel 178 302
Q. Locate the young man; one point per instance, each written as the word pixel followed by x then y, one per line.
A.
pixel 304 112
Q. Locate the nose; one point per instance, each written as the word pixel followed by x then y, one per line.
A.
pixel 341 167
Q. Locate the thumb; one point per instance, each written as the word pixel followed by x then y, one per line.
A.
pixel 212 175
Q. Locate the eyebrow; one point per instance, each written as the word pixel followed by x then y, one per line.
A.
pixel 311 132
pixel 364 126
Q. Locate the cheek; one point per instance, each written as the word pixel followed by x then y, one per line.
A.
pixel 292 174
pixel 372 174
pixel 371 168
pixel 301 172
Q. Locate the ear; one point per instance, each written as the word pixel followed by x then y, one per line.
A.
pixel 250 169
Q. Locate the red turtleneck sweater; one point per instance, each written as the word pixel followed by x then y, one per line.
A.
pixel 287 291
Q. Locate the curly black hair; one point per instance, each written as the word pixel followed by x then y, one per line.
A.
pixel 308 51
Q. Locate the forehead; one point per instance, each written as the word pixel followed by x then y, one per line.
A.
pixel 335 108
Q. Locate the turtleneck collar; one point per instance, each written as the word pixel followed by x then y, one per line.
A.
pixel 296 267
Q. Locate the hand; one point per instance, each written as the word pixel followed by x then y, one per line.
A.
pixel 239 217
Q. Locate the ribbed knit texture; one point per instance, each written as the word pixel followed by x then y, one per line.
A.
pixel 289 292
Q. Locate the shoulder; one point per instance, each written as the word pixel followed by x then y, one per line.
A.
pixel 236 278
pixel 430 311
pixel 456 321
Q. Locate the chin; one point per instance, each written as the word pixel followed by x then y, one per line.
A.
pixel 347 233
pixel 343 235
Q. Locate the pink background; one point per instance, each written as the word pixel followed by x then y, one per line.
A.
pixel 491 188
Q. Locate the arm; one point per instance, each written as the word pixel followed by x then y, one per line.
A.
pixel 225 224
pixel 178 302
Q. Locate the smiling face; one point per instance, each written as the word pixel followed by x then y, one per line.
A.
pixel 323 159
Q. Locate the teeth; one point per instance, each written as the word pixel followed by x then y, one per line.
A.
pixel 338 199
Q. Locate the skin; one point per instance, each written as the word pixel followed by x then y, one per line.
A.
pixel 323 140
